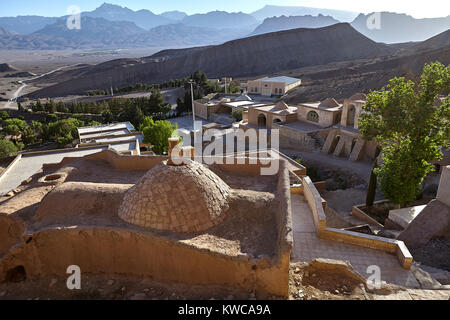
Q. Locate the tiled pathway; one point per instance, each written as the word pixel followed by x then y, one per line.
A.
pixel 307 246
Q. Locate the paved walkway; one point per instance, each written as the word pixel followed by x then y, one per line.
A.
pixel 29 165
pixel 307 246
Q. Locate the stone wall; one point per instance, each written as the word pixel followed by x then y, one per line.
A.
pixel 294 139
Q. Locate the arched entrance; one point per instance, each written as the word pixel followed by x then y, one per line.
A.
pixel 334 144
pixel 353 144
pixel 351 116
pixel 313 116
pixel 276 120
pixel 262 120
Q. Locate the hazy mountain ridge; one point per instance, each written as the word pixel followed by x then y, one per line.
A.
pixel 252 56
pixel 174 15
pixel 396 28
pixel 293 22
pixel 142 18
pixel 276 11
pixel 221 20
pixel 102 33
pixel 25 24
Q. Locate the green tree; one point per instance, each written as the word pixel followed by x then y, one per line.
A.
pixel 158 133
pixel 51 117
pixel 50 107
pixel 237 115
pixel 7 148
pixel 29 136
pixel 412 127
pixel 14 126
pixel 62 132
pixel 4 115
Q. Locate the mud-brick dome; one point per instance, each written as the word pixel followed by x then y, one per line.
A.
pixel 188 198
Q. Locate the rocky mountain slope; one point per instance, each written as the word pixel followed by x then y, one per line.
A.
pixel 286 23
pixel 248 57
pixel 5 67
pixel 396 28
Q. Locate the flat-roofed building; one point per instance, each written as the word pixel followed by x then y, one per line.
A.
pixel 219 107
pixel 263 117
pixel 275 86
pixel 121 136
pixel 323 113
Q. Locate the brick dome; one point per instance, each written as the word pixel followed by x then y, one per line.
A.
pixel 188 198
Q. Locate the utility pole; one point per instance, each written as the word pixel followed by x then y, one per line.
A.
pixel 225 85
pixel 191 82
pixel 112 91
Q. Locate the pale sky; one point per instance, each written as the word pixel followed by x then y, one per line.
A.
pixel 416 8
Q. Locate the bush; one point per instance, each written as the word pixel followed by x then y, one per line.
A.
pixel 158 133
pixel 7 148
pixel 237 115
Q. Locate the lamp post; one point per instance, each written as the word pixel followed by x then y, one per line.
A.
pixel 191 82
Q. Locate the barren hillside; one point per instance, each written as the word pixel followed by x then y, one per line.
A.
pixel 248 57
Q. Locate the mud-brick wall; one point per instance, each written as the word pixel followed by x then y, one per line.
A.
pixel 294 139
pixel 124 251
pixel 201 110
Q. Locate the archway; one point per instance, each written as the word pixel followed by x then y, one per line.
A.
pixel 334 144
pixel 353 144
pixel 351 116
pixel 262 120
pixel 276 120
pixel 313 116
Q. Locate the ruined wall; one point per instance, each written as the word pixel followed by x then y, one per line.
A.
pixel 122 251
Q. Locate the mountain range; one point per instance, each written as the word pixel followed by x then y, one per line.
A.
pixel 270 11
pixel 102 33
pixel 396 28
pixel 317 56
pixel 112 26
pixel 252 56
pixel 293 22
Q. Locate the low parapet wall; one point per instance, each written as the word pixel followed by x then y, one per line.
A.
pixel 317 206
pixel 124 251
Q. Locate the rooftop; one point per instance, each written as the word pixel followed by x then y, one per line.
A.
pixel 278 109
pixel 326 105
pixel 122 126
pixel 286 80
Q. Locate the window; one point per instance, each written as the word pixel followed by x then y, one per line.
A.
pixel 313 116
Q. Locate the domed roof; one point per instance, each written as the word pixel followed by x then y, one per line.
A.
pixel 281 105
pixel 244 97
pixel 358 96
pixel 330 103
pixel 187 198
